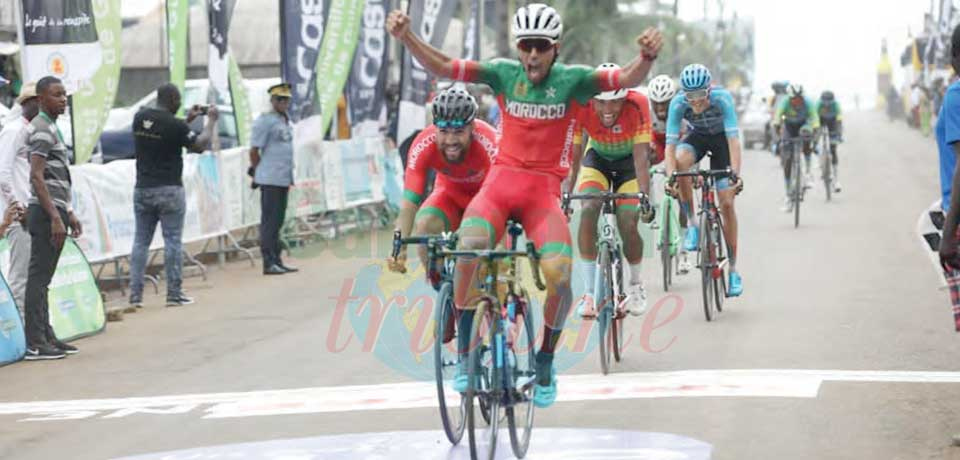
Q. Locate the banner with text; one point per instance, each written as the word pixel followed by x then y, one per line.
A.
pixel 60 39
pixel 368 78
pixel 430 19
pixel 301 31
pixel 336 55
pixel 95 96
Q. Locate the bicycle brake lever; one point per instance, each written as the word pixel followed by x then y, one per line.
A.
pixel 396 243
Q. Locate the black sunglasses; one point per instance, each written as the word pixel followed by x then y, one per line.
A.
pixel 540 44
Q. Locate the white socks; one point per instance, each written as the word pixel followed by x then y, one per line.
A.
pixel 588 268
pixel 635 274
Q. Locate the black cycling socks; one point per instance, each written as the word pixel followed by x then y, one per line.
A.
pixel 544 367
pixel 464 331
pixel 550 339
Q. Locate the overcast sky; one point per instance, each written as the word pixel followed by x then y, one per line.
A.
pixel 823 43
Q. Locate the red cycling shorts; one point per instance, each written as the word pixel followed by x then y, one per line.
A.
pixel 529 197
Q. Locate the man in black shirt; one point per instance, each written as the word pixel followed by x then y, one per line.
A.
pixel 159 138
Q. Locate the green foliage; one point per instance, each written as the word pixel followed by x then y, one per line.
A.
pixel 597 31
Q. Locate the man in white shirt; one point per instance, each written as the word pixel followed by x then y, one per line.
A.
pixel 15 187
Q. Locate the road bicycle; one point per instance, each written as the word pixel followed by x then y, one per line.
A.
pixel 711 255
pixel 609 294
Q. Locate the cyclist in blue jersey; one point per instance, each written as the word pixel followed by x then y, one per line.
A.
pixel 711 119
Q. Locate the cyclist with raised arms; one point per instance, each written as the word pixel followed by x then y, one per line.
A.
pixel 539 101
pixel 711 117
pixel 618 125
pixel 798 114
pixel 460 148
pixel 661 90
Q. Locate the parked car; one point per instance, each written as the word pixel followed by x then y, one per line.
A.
pixel 755 123
pixel 117 139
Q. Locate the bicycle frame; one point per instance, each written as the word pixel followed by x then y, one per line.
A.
pixel 609 272
pixel 711 258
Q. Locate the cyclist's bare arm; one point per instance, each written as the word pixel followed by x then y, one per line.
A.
pixel 432 59
pixel 575 165
pixel 634 73
pixel 949 240
pixel 736 153
pixel 641 163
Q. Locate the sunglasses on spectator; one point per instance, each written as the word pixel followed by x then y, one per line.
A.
pixel 453 124
pixel 540 44
pixel 697 95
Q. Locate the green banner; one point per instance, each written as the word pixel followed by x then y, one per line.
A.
pixel 241 104
pixel 94 98
pixel 336 55
pixel 76 307
pixel 178 22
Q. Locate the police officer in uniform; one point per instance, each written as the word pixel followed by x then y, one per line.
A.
pixel 271 160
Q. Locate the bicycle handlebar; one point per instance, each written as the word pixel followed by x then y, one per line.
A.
pixel 443 239
pixel 493 254
pixel 566 198
pixel 715 173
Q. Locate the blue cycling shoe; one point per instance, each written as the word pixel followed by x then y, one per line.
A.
pixel 692 241
pixel 461 378
pixel 735 285
pixel 545 395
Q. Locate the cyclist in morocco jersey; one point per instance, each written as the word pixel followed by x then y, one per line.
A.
pixel 460 149
pixel 539 101
pixel 618 154
pixel 711 116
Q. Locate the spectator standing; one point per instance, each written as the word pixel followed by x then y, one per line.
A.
pixel 48 217
pixel 15 189
pixel 271 158
pixel 159 140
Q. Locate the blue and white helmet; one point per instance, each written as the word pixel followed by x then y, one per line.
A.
pixel 694 77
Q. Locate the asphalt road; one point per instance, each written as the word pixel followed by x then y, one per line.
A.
pixel 841 348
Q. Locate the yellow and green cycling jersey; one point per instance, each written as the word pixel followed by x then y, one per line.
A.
pixel 829 110
pixel 804 115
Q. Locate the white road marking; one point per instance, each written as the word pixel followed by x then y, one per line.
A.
pixel 785 383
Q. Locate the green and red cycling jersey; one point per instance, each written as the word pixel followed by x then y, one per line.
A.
pixel 462 178
pixel 538 121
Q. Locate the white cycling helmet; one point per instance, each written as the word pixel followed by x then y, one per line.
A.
pixel 537 20
pixel 661 89
pixel 610 95
pixel 795 90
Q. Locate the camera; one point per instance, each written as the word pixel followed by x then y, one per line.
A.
pixel 201 109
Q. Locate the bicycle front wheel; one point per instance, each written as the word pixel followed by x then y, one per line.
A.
pixel 797 184
pixel 827 168
pixel 666 260
pixel 707 264
pixel 520 415
pixel 483 386
pixel 616 323
pixel 719 275
pixel 446 361
pixel 603 302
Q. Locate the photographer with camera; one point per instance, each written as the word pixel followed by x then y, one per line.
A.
pixel 159 138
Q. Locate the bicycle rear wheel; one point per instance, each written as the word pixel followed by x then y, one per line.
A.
pixel 604 311
pixel 797 184
pixel 484 386
pixel 520 415
pixel 446 361
pixel 666 259
pixel 706 255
